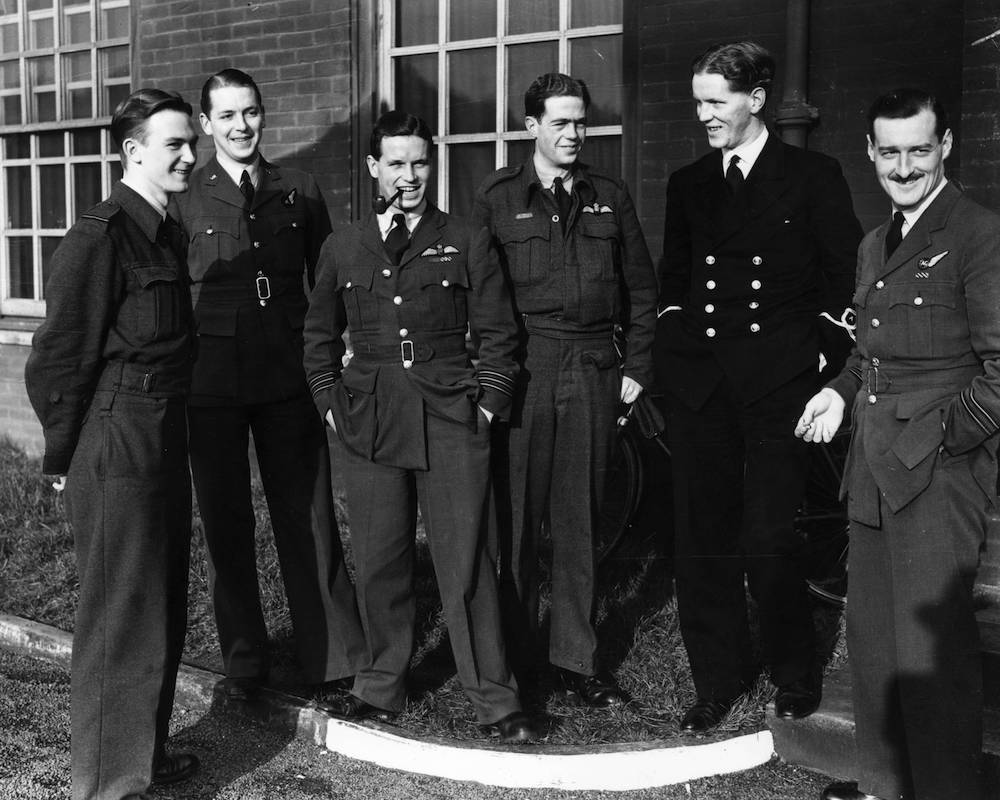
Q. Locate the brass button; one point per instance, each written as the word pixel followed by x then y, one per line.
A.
pixel 256 245
pixel 387 273
pixel 872 399
pixel 709 308
pixel 879 284
pixel 710 285
pixel 875 323
pixel 754 305
pixel 709 260
pixel 445 282
pixel 754 327
pixel 555 217
pixel 397 300
pixel 918 301
pixel 210 231
pixel 875 362
pixel 755 284
pixel 253 216
pixel 757 261
pixel 404 332
pixel 710 332
pixel 348 285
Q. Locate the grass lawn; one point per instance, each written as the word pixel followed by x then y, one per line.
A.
pixel 637 619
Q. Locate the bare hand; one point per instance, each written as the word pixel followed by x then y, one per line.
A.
pixel 59 484
pixel 487 414
pixel 630 390
pixel 821 417
pixel 330 422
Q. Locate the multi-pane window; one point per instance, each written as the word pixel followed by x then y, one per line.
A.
pixel 463 65
pixel 64 66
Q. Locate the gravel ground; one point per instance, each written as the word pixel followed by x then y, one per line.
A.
pixel 243 761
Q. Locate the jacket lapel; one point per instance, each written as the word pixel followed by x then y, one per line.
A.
pixel 220 185
pixel 767 178
pixel 427 232
pixel 371 238
pixel 270 184
pixel 919 238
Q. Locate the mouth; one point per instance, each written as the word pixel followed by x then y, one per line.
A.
pixel 907 180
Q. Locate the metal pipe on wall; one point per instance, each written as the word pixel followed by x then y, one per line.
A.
pixel 794 116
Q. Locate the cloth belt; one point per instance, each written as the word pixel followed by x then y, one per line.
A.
pixel 880 379
pixel 122 376
pixel 408 351
pixel 556 328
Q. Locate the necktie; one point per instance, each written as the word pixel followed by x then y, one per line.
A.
pixel 246 188
pixel 398 239
pixel 734 175
pixel 563 201
pixel 895 234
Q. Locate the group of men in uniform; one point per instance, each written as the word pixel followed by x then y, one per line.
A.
pixel 198 319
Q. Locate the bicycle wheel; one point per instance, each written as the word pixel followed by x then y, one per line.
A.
pixel 622 494
pixel 822 522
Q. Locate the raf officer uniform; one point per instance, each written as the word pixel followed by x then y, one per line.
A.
pixel 744 278
pixel 107 375
pixel 575 274
pixel 248 254
pixel 924 381
pixel 406 408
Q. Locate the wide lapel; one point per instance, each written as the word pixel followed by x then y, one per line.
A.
pixel 919 238
pixel 712 193
pixel 220 185
pixel 766 182
pixel 371 238
pixel 270 185
pixel 427 232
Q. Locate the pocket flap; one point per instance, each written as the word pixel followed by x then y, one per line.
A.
pixel 922 293
pixel 215 226
pixel 444 274
pixel 283 222
pixel 921 437
pixel 154 273
pixel 356 278
pixel 521 230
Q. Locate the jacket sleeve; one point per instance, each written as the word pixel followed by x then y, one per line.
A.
pixel 319 226
pixel 325 323
pixel 640 284
pixel 492 323
pixel 674 271
pixel 82 297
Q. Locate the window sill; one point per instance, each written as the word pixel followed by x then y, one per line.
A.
pixel 18 330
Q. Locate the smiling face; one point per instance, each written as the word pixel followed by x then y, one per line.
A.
pixel 160 157
pixel 405 163
pixel 730 118
pixel 560 131
pixel 235 123
pixel 909 158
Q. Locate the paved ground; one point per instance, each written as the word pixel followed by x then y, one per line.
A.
pixel 244 761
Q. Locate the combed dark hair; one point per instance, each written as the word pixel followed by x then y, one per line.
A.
pixel 745 65
pixel 397 123
pixel 227 77
pixel 129 120
pixel 905 103
pixel 553 84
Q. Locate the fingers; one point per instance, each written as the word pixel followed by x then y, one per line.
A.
pixel 330 422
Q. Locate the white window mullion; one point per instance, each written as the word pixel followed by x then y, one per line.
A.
pixel 443 153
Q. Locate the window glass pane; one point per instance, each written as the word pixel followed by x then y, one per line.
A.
pixel 598 61
pixel 8 6
pixel 468 165
pixel 416 22
pixel 79 104
pixel 114 23
pixel 584 13
pixel 10 75
pixel 8 38
pixel 42 33
pixel 472 91
pixel 416 81
pixel 114 62
pixel 49 245
pixel 86 186
pixel 45 106
pixel 76 28
pixel 77 66
pixel 113 96
pixel 17 145
pixel 52 195
pixel 532 16
pixel 18 197
pixel 604 154
pixel 525 62
pixel 38 5
pixel 22 267
pixel 51 144
pixel 472 19
pixel 10 110
pixel 87 142
pixel 519 151
pixel 42 71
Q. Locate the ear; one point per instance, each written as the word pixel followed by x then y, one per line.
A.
pixel 206 123
pixel 946 142
pixel 871 149
pixel 132 150
pixel 372 163
pixel 758 97
pixel 531 124
pixel 263 118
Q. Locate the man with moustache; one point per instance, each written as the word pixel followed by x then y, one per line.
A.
pixel 407 282
pixel 108 373
pixel 924 386
pixel 759 245
pixel 574 254
pixel 255 231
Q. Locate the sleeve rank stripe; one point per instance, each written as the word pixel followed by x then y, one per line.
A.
pixel 492 379
pixel 973 406
pixel 322 381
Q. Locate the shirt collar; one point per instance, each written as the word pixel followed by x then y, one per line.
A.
pixel 385 220
pixel 748 152
pixel 910 217
pixel 143 212
pixel 235 170
pixel 532 182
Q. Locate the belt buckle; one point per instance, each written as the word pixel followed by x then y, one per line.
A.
pixel 263 288
pixel 406 353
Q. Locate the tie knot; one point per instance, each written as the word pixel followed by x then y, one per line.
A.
pixel 398 220
pixel 734 161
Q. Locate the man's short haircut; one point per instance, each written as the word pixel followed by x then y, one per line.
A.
pixel 227 77
pixel 906 103
pixel 553 84
pixel 131 115
pixel 398 123
pixel 745 65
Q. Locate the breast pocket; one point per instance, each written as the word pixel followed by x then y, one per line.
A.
pixel 926 310
pixel 443 301
pixel 524 249
pixel 214 243
pixel 355 286
pixel 153 309
pixel 598 246
pixel 289 240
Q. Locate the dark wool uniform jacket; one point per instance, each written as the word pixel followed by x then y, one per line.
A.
pixel 118 291
pixel 925 373
pixel 248 271
pixel 599 273
pixel 407 326
pixel 752 277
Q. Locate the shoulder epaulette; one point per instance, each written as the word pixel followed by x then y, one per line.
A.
pixel 102 212
pixel 501 175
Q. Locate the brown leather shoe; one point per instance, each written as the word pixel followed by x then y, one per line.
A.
pixel 175 768
pixel 354 708
pixel 798 699
pixel 846 791
pixel 331 691
pixel 704 715
pixel 519 727
pixel 597 691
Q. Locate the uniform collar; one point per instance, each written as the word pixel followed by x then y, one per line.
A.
pixel 146 216
pixel 748 152
pixel 530 182
pixel 235 170
pixel 910 217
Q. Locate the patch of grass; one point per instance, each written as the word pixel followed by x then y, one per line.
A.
pixel 637 621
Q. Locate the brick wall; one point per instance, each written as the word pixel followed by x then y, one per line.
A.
pixel 981 107
pixel 298 51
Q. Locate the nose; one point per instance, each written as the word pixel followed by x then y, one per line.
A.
pixel 703 112
pixel 189 155
pixel 904 166
pixel 409 174
pixel 573 131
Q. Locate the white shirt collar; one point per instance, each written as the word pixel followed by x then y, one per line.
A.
pixel 385 221
pixel 235 170
pixel 748 152
pixel 910 217
pixel 546 175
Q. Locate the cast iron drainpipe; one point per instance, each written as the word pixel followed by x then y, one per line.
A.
pixel 794 115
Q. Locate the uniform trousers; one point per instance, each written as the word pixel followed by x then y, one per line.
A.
pixel 128 499
pixel 293 456
pixel 913 641
pixel 739 476
pixel 553 467
pixel 453 495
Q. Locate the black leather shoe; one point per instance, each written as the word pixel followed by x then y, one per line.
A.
pixel 704 715
pixel 519 727
pixel 354 708
pixel 240 689
pixel 597 691
pixel 798 699
pixel 329 691
pixel 174 769
pixel 846 791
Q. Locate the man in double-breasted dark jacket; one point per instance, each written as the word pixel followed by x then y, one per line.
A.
pixel 255 232
pixel 758 263
pixel 408 282
pixel 924 386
